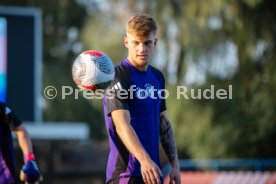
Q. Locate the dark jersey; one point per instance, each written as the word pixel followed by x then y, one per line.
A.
pixel 141 93
pixel 8 121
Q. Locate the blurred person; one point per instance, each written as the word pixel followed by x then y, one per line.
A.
pixel 9 122
pixel 137 122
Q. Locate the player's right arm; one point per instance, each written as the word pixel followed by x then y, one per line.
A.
pixel 150 171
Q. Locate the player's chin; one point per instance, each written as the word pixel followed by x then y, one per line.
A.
pixel 143 60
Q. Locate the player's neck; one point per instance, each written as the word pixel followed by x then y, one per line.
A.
pixel 142 68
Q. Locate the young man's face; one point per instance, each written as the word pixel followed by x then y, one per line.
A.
pixel 140 49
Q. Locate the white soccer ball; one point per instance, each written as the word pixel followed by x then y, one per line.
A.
pixel 93 70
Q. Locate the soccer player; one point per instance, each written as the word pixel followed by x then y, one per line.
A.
pixel 135 112
pixel 9 122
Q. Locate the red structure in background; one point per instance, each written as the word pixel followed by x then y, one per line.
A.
pixel 226 177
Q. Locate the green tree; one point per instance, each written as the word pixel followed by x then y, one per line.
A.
pixel 192 33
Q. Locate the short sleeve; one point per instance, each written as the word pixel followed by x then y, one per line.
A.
pixel 9 117
pixel 163 105
pixel 163 100
pixel 116 95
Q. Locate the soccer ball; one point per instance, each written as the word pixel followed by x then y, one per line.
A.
pixel 93 70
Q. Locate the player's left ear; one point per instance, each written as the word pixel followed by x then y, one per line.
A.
pixel 155 41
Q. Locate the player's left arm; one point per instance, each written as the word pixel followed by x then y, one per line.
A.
pixel 30 172
pixel 24 140
pixel 168 142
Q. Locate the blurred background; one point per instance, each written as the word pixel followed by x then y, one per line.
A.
pixel 201 43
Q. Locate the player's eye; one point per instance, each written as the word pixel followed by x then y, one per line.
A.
pixel 148 42
pixel 135 43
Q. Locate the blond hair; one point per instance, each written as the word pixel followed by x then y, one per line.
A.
pixel 141 25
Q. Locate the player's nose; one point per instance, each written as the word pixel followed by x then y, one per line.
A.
pixel 141 48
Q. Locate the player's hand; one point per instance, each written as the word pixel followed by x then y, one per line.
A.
pixel 30 173
pixel 175 177
pixel 150 172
